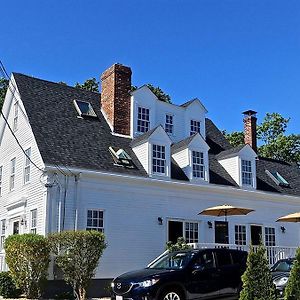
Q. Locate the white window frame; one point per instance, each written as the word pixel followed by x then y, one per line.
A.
pixel 33 220
pixel 1 177
pixel 27 163
pixel 270 237
pixel 240 234
pixel 195 126
pixel 184 222
pixel 3 233
pixel 193 229
pixel 159 159
pixel 16 115
pixel 198 165
pixel 247 173
pixel 169 124
pixel 143 117
pixel 93 218
pixel 12 174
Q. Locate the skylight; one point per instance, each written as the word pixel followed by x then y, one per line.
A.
pixel 84 108
pixel 122 158
pixel 277 178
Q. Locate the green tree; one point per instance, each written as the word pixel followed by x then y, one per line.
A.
pixel 77 255
pixel 292 290
pixel 3 89
pixel 180 245
pixel 27 256
pixel 257 279
pixel 157 91
pixel 90 85
pixel 275 143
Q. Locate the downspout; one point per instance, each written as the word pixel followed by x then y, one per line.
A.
pixel 76 200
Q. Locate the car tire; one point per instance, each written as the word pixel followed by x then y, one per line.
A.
pixel 172 294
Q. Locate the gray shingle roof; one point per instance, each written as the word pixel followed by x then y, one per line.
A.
pixel 184 143
pixel 66 140
pixel 230 152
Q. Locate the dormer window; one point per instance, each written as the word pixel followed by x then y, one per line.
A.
pixel 198 165
pixel 16 116
pixel 246 172
pixel 195 127
pixel 158 159
pixel 121 158
pixel 169 124
pixel 84 108
pixel 143 121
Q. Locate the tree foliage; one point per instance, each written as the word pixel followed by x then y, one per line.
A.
pixel 27 256
pixel 275 143
pixel 77 255
pixel 90 84
pixel 292 290
pixel 8 288
pixel 180 245
pixel 257 279
pixel 3 89
pixel 157 91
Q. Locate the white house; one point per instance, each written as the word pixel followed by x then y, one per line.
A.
pixel 138 169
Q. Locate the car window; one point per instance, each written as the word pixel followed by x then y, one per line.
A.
pixel 205 260
pixel 223 258
pixel 177 260
pixel 283 266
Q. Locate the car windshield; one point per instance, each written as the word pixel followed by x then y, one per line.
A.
pixel 176 260
pixel 283 266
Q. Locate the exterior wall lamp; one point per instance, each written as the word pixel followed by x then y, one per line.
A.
pixel 210 225
pixel 282 228
pixel 160 220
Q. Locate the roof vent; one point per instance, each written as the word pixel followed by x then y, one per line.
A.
pixel 122 158
pixel 84 108
pixel 277 178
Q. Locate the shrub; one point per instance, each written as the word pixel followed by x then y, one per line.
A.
pixel 257 279
pixel 27 256
pixel 180 245
pixel 292 290
pixel 7 286
pixel 77 254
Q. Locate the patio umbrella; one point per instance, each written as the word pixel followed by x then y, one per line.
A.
pixel 295 217
pixel 225 210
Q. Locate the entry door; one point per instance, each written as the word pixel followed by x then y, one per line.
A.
pixel 221 232
pixel 16 227
pixel 175 229
pixel 256 234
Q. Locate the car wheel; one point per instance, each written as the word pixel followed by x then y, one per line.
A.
pixel 172 294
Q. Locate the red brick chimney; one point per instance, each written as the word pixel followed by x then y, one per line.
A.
pixel 115 97
pixel 250 128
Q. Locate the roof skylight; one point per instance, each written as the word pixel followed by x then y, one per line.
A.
pixel 277 178
pixel 84 108
pixel 121 157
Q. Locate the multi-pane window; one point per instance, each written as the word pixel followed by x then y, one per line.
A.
pixel 12 174
pixel 1 170
pixel 195 127
pixel 158 159
pixel 143 121
pixel 2 237
pixel 33 220
pixel 198 164
pixel 16 115
pixel 246 172
pixel 240 234
pixel 169 124
pixel 27 165
pixel 95 220
pixel 191 232
pixel 270 236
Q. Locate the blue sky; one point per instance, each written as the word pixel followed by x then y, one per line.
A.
pixel 232 54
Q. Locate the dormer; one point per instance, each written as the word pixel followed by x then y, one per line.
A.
pixel 240 163
pixel 191 154
pixel 153 151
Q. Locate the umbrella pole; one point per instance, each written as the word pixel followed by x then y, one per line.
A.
pixel 225 215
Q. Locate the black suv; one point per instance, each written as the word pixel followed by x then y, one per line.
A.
pixel 190 274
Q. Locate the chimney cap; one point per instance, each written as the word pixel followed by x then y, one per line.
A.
pixel 249 112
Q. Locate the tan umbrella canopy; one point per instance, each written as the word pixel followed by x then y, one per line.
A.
pixel 225 210
pixel 295 217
